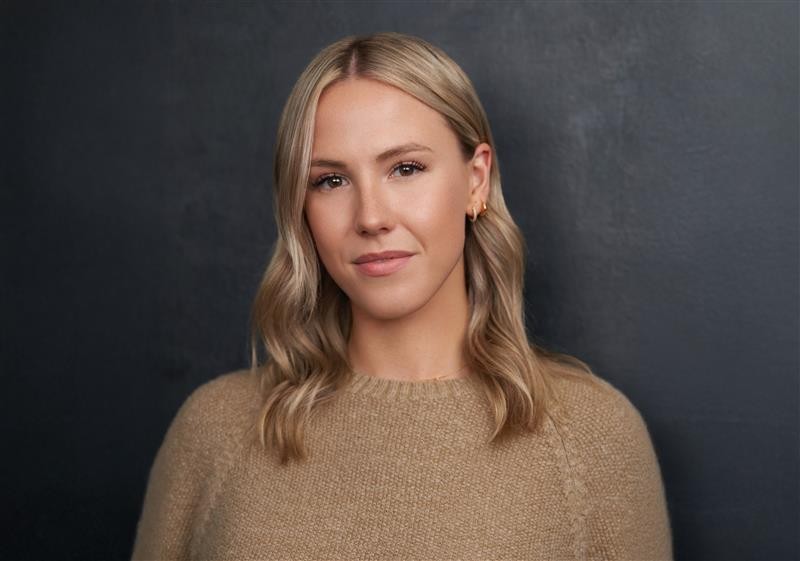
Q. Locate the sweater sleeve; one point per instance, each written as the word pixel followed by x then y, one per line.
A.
pixel 627 516
pixel 170 501
pixel 175 483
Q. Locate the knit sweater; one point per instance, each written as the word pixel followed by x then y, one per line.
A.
pixel 403 470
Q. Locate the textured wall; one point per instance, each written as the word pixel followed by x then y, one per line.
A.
pixel 649 152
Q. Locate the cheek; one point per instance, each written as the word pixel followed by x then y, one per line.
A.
pixel 329 231
pixel 441 215
pixel 322 227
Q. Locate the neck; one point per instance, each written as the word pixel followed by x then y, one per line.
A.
pixel 427 343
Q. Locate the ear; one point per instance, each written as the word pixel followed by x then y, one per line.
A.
pixel 480 167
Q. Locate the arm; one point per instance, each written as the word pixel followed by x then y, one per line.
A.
pixel 173 490
pixel 627 516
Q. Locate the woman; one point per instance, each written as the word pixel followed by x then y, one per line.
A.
pixel 402 412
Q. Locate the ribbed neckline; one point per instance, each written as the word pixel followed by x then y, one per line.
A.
pixel 393 389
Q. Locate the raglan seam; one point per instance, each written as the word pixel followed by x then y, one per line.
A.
pixel 231 449
pixel 574 488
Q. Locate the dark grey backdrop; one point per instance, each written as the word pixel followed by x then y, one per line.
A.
pixel 649 152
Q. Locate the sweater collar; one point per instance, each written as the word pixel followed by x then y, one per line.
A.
pixel 395 389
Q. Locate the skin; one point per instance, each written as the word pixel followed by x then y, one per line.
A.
pixel 410 325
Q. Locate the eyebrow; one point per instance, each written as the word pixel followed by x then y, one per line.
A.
pixel 385 155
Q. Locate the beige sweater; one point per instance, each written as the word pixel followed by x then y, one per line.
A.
pixel 401 470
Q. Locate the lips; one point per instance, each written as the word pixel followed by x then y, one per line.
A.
pixel 383 263
pixel 391 254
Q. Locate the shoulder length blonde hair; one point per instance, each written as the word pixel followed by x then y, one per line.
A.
pixel 303 318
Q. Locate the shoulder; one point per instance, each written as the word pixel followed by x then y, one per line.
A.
pixel 222 395
pixel 197 452
pixel 216 413
pixel 599 416
pixel 614 468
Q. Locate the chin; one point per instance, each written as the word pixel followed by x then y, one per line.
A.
pixel 390 305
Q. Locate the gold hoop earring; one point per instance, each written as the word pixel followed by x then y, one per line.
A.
pixel 476 214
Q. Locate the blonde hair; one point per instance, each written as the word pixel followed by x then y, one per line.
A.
pixel 302 317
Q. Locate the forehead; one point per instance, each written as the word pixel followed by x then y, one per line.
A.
pixel 362 116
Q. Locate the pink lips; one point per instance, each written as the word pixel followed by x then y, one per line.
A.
pixel 382 264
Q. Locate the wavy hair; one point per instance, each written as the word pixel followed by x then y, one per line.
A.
pixel 302 318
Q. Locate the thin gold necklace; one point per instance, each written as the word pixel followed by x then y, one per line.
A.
pixel 446 376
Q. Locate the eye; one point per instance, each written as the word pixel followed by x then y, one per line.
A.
pixel 331 181
pixel 325 179
pixel 409 167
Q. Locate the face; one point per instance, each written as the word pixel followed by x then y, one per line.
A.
pixel 367 196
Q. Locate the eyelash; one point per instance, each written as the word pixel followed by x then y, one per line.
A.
pixel 413 163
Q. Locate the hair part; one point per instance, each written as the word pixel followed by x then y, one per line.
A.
pixel 302 318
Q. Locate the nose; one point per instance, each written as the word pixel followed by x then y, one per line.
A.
pixel 373 209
